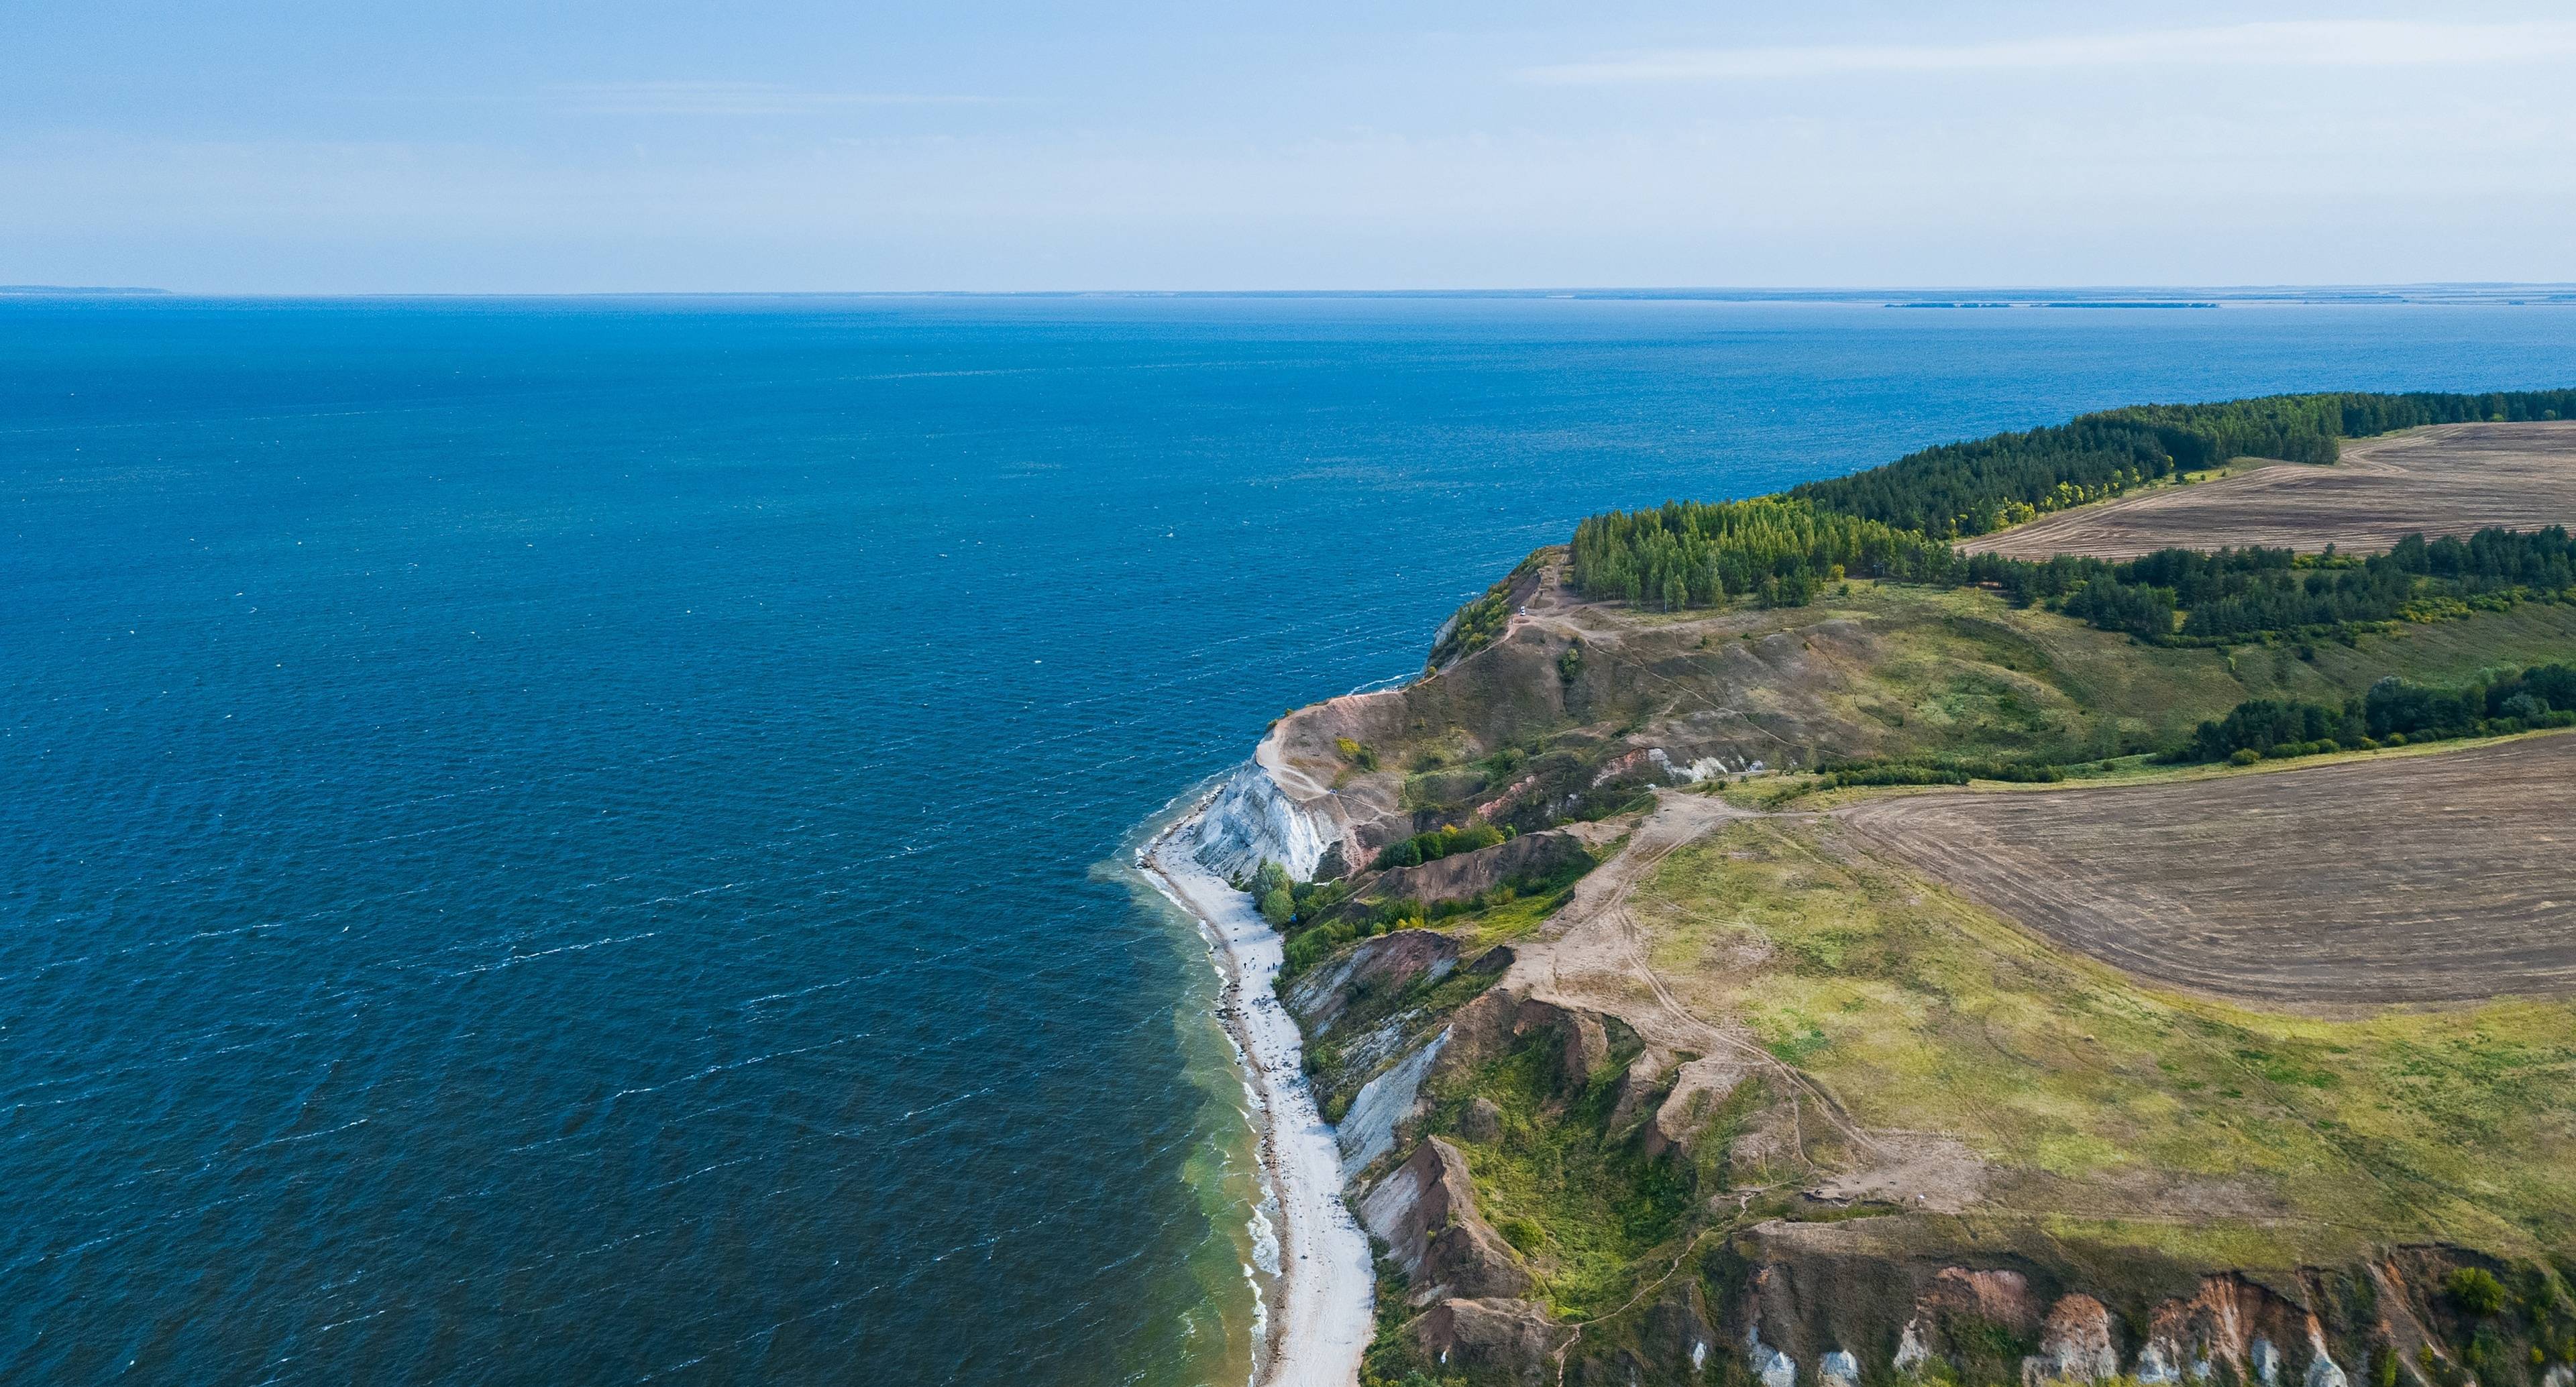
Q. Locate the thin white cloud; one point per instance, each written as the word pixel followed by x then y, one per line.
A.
pixel 727 99
pixel 2298 43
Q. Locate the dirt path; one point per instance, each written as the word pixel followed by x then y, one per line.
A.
pixel 1593 956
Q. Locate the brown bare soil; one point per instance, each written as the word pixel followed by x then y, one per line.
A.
pixel 2423 878
pixel 2451 479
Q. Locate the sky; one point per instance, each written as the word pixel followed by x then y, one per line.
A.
pixel 279 148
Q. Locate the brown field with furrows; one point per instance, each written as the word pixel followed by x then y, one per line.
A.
pixel 2450 479
pixel 2396 878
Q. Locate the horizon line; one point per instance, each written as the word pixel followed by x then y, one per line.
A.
pixel 1955 294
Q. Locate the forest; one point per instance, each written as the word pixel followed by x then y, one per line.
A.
pixel 1699 554
pixel 1958 490
pixel 1896 522
pixel 2235 594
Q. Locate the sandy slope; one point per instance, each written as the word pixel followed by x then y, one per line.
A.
pixel 1320 1308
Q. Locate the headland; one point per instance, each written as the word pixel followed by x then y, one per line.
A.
pixel 1841 938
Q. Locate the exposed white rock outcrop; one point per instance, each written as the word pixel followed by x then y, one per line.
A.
pixel 1425 1212
pixel 1839 1369
pixel 2156 1364
pixel 1367 1131
pixel 1252 820
pixel 2322 1371
pixel 1776 1369
pixel 1911 1355
pixel 2266 1362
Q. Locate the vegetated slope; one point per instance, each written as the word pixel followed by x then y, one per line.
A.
pixel 2396 878
pixel 1807 1061
pixel 1793 1109
pixel 1578 704
pixel 2444 480
pixel 2085 1095
pixel 1759 1100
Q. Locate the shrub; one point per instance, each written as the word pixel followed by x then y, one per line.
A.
pixel 1476 625
pixel 2394 712
pixel 1944 771
pixel 2244 756
pixel 2273 727
pixel 1440 843
pixel 2475 1290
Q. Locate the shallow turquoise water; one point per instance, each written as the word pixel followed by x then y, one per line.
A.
pixel 562 841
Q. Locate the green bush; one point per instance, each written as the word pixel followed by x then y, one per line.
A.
pixel 1475 625
pixel 2392 713
pixel 2276 727
pixel 1439 843
pixel 2475 1290
pixel 1944 771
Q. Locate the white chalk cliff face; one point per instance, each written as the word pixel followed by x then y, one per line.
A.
pixel 1252 820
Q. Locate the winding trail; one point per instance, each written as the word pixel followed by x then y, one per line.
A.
pixel 1593 956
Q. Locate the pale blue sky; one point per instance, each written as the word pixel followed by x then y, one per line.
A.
pixel 781 144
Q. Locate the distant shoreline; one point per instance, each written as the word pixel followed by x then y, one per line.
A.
pixel 2536 294
pixel 81 291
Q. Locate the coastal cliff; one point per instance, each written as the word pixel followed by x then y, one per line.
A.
pixel 1251 821
pixel 1986 972
pixel 1567 1181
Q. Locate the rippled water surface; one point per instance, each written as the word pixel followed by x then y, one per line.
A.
pixel 571 842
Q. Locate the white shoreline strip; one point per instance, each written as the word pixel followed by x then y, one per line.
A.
pixel 1323 1300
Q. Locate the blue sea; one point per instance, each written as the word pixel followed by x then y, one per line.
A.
pixel 582 841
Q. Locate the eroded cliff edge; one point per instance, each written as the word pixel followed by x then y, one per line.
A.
pixel 1575 1168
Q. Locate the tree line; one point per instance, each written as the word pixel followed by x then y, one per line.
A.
pixel 1897 522
pixel 1958 490
pixel 1700 554
pixel 2237 594
pixel 2394 712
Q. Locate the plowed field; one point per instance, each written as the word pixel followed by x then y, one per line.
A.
pixel 2428 878
pixel 2448 480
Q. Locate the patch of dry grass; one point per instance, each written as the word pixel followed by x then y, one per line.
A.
pixel 2098 1096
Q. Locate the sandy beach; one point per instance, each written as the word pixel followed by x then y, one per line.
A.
pixel 1318 1310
